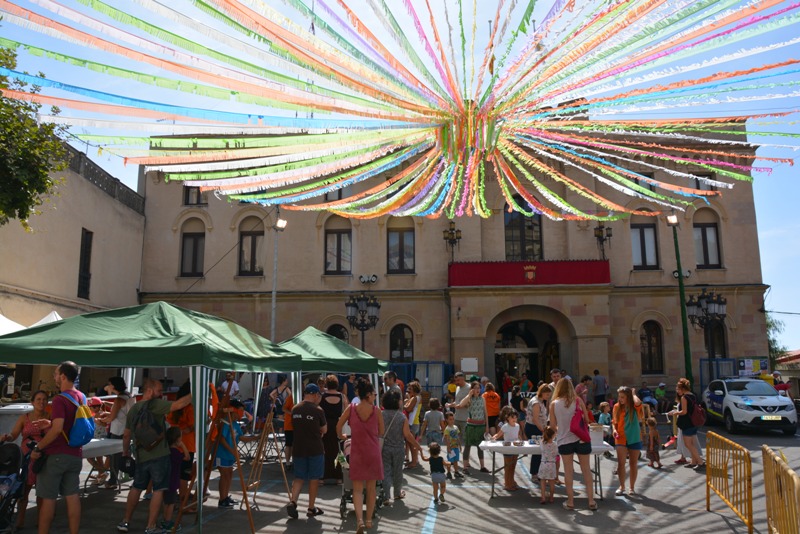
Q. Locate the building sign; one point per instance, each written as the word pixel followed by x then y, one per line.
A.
pixel 526 273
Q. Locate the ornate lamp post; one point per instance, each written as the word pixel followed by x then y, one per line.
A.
pixel 452 237
pixel 672 220
pixel 602 233
pixel 704 311
pixel 363 311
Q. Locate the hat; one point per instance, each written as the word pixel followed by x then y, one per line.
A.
pixel 776 373
pixel 311 389
pixel 662 385
pixel 94 401
pixel 473 378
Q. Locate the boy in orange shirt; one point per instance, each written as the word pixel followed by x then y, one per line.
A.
pixel 492 400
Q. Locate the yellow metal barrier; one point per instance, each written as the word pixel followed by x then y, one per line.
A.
pixel 729 475
pixel 782 487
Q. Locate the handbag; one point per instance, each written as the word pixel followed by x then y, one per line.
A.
pixel 578 425
pixel 381 438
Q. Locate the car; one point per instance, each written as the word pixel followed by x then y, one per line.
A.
pixel 749 403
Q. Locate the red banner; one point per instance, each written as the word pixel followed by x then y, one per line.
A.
pixel 529 273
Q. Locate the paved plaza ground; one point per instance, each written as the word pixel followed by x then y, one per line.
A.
pixel 669 499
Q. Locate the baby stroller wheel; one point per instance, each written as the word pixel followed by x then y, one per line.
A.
pixel 343 509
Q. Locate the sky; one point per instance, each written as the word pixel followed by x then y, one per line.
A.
pixel 775 193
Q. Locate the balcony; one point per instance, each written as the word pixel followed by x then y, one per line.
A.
pixel 528 273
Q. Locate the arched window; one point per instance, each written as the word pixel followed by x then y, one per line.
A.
pixel 338 331
pixel 651 342
pixel 193 244
pixel 338 246
pixel 400 245
pixel 706 239
pixel 717 346
pixel 251 239
pixel 401 344
pixel 523 235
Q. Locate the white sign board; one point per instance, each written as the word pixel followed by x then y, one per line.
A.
pixel 469 365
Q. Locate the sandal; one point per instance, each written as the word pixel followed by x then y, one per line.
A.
pixel 543 501
pixel 369 525
pixel 401 496
pixel 360 528
pixel 593 506
pixel 620 492
pixel 411 466
pixel 484 470
pixel 313 512
pixel 567 506
pixel 291 509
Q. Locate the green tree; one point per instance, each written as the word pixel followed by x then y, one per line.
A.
pixel 30 152
pixel 776 350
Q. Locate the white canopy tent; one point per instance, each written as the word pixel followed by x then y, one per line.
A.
pixel 7 326
pixel 51 317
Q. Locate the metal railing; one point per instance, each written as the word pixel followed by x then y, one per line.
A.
pixel 782 489
pixel 729 475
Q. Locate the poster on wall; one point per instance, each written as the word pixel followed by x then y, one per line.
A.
pixel 469 365
pixel 753 367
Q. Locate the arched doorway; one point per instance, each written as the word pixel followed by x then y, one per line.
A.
pixel 526 347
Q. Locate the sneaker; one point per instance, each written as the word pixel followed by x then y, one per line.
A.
pixel 154 530
pixel 441 498
pixel 225 503
pixel 168 526
pixel 231 500
pixel 449 476
pixel 459 474
pixel 123 526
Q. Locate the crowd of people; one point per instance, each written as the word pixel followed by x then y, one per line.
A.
pixel 382 438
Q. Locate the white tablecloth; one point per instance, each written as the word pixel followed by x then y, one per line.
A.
pixel 102 447
pixel 527 448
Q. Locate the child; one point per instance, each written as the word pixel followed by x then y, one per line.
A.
pixel 226 450
pixel 653 444
pixel 590 412
pixel 605 419
pixel 101 464
pixel 437 465
pixel 451 435
pixel 509 431
pixel 547 469
pixel 177 454
pixel 433 423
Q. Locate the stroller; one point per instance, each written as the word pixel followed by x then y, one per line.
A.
pixel 347 484
pixel 13 472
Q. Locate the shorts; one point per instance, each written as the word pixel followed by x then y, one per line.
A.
pixel 433 436
pixel 438 478
pixel 288 437
pixel 309 467
pixel 155 470
pixel 60 476
pixel 632 446
pixel 186 467
pixel 688 432
pixel 493 421
pixel 453 455
pixel 576 447
pixel 224 462
pixel 170 496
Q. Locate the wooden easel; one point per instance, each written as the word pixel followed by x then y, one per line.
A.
pixel 265 444
pixel 212 444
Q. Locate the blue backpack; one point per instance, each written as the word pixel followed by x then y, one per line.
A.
pixel 82 430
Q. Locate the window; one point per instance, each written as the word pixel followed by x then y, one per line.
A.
pixel 523 235
pixel 645 183
pixel 85 264
pixel 193 242
pixel 701 185
pixel 338 331
pixel 251 239
pixel 401 344
pixel 338 246
pixel 717 347
pixel 193 197
pixel 643 246
pixel 400 239
pixel 651 343
pixel 706 239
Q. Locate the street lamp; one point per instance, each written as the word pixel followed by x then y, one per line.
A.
pixel 279 226
pixel 602 233
pixel 362 313
pixel 451 238
pixel 672 220
pixel 704 311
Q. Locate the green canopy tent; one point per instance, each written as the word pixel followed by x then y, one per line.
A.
pixel 322 352
pixel 152 335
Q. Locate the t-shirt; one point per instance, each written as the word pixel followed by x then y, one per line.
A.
pixel 492 403
pixel 510 433
pixel 175 461
pixel 436 463
pixel 184 419
pixel 462 414
pixel 660 393
pixel 451 434
pixel 600 385
pixel 234 388
pixel 308 419
pixel 288 406
pixel 64 409
pixel 223 454
pixel 434 420
pixel 159 408
pixel 604 418
pixel 628 427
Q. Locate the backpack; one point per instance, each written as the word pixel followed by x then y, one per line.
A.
pixel 146 430
pixel 698 414
pixel 82 430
